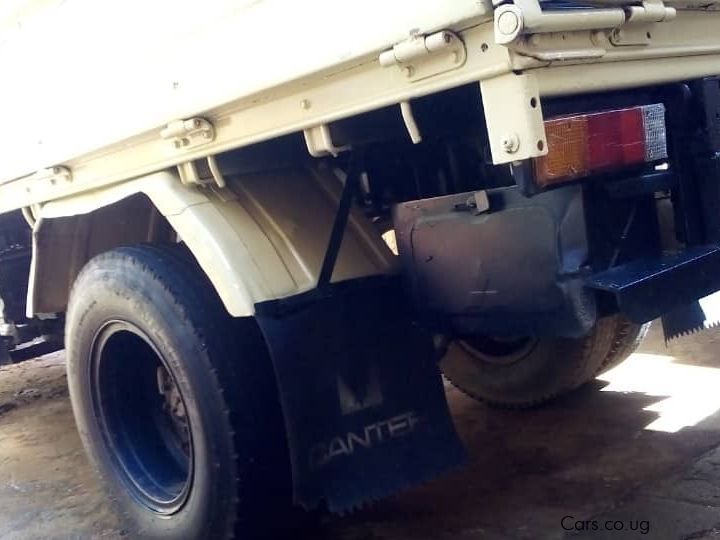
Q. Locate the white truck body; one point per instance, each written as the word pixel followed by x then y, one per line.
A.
pixel 97 98
pixel 80 75
pixel 94 97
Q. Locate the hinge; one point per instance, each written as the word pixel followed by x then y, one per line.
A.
pixel 650 11
pixel 524 17
pixel 639 23
pixel 190 133
pixel 421 56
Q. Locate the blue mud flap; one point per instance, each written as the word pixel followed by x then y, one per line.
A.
pixel 363 401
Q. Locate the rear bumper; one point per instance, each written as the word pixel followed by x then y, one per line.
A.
pixel 651 287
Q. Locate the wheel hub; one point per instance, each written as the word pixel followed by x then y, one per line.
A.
pixel 143 417
pixel 174 407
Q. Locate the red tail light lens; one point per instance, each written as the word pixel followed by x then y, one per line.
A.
pixel 583 144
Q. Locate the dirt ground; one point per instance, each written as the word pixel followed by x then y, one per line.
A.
pixel 638 450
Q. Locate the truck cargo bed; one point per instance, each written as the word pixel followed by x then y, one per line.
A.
pixel 91 88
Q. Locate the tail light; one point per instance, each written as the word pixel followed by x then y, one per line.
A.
pixel 580 145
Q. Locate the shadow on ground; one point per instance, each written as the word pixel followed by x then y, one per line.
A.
pixel 581 456
pixel 589 454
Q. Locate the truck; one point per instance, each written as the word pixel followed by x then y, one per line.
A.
pixel 268 226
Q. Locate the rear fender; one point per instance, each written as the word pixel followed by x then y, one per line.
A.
pixel 260 238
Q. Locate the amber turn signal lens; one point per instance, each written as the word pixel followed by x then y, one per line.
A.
pixel 580 145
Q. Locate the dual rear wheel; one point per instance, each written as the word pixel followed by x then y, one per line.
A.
pixel 526 372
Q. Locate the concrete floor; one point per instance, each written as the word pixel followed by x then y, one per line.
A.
pixel 638 449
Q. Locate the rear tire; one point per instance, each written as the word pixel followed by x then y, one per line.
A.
pixel 175 401
pixel 628 337
pixel 528 372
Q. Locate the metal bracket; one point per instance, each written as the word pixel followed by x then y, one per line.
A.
pixel 319 142
pixel 190 133
pixel 559 47
pixel 640 21
pixel 631 35
pixel 53 175
pixel 189 174
pixel 515 121
pixel 421 56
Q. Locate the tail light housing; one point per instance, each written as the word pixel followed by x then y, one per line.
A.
pixel 584 144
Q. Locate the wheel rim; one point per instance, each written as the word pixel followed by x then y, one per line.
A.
pixel 142 416
pixel 498 350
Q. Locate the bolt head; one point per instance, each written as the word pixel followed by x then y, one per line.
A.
pixel 510 143
pixel 508 23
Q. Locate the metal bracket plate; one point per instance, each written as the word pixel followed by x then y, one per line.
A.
pixel 637 34
pixel 560 47
pixel 49 178
pixel 423 56
pixel 319 142
pixel 190 133
pixel 189 174
pixel 514 121
pixel 53 175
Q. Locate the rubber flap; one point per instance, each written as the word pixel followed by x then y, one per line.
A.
pixel 362 396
